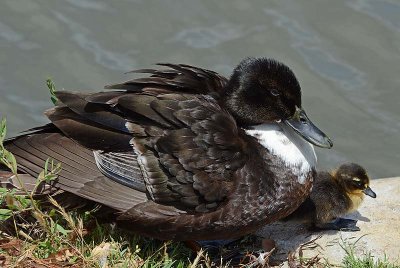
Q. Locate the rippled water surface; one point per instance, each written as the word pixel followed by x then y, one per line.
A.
pixel 346 55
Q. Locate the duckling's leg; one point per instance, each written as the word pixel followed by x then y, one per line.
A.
pixel 340 224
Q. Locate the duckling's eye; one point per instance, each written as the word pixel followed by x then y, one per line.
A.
pixel 274 92
pixel 357 182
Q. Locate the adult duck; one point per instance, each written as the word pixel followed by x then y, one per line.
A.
pixel 183 154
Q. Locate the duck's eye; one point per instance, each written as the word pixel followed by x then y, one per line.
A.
pixel 274 92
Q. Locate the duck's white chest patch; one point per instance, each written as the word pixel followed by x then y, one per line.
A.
pixel 282 141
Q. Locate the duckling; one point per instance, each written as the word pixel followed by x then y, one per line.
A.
pixel 333 195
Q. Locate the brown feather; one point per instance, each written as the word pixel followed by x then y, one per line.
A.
pixel 179 78
pixel 83 131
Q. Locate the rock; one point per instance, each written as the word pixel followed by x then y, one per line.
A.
pixel 378 219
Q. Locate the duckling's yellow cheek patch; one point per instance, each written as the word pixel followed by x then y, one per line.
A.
pixel 356 200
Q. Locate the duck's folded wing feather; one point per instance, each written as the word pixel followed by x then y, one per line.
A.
pixel 79 174
pixel 191 160
pixel 183 150
pixel 178 78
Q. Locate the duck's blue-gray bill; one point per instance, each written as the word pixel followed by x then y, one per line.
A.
pixel 305 128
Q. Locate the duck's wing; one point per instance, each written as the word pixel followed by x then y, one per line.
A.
pixel 79 175
pixel 176 150
pixel 177 78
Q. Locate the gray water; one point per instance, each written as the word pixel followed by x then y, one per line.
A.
pixel 346 55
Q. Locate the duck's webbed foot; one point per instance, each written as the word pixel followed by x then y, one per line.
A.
pixel 234 251
pixel 223 250
pixel 340 224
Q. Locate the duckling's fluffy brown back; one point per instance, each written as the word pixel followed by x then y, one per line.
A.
pixel 327 201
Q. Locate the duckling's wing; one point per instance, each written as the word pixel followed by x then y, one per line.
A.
pixel 176 78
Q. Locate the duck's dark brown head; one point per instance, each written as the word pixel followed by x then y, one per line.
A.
pixel 263 90
pixel 354 179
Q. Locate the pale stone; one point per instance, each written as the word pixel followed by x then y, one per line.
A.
pixel 378 219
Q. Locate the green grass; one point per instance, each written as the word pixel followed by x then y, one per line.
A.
pixel 365 260
pixel 52 89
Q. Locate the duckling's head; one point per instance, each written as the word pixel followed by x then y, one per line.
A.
pixel 354 180
pixel 263 90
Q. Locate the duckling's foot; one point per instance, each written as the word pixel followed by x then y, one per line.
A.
pixel 340 224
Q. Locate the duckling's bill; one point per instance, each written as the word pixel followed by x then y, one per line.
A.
pixel 368 191
pixel 305 128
